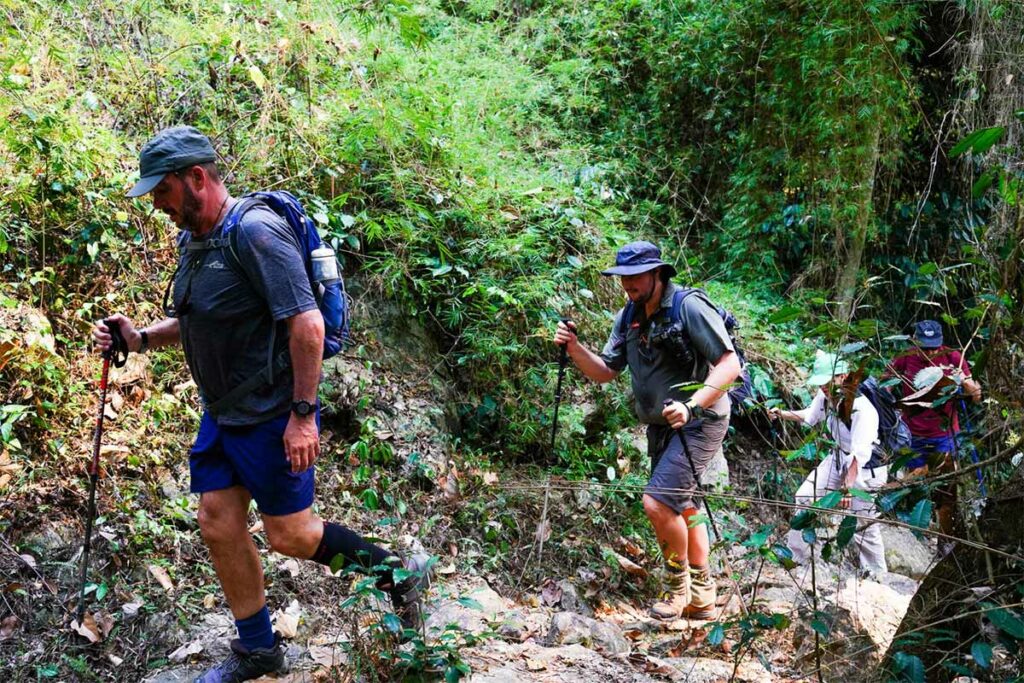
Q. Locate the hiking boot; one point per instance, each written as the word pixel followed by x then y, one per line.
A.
pixel 676 595
pixel 244 664
pixel 702 595
pixel 407 596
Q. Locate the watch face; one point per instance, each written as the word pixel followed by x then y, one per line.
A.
pixel 302 408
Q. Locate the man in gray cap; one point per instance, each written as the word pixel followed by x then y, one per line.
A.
pixel 229 319
pixel 667 355
pixel 934 429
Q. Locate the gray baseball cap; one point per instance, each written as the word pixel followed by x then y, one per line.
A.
pixel 172 149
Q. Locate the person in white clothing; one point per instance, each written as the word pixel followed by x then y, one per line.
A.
pixel 853 461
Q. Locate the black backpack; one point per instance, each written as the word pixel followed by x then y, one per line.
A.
pixel 893 433
pixel 742 391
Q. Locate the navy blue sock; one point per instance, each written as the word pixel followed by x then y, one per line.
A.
pixel 356 550
pixel 256 631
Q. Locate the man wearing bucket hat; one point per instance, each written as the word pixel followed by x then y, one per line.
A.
pixel 666 360
pixel 854 432
pixel 263 446
pixel 934 428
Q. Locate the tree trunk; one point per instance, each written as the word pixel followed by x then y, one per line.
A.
pixel 854 233
pixel 950 597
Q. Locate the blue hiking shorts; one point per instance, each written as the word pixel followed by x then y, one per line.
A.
pixel 930 451
pixel 253 457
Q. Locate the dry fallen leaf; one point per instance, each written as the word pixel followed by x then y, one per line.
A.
pixel 88 628
pixel 490 478
pixel 185 651
pixel 291 566
pixel 543 532
pixel 105 622
pixel 446 570
pixel 551 593
pixel 327 656
pixel 627 565
pixel 209 601
pixel 160 574
pixel 29 560
pixel 536 664
pixel 115 660
pixel 8 626
pixel 286 624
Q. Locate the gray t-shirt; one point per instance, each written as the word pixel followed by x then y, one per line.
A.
pixel 657 373
pixel 226 329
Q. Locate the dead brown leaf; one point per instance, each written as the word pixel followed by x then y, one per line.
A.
pixel 627 565
pixel 87 629
pixel 536 664
pixel 185 651
pixel 551 593
pixel 161 576
pixel 8 626
pixel 209 601
pixel 105 622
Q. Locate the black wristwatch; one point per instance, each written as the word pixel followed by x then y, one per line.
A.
pixel 303 408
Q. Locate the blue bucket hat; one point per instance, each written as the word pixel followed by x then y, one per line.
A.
pixel 638 257
pixel 928 334
pixel 172 149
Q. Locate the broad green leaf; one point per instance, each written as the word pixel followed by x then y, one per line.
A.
pixel 979 142
pixel 821 627
pixel 983 183
pixel 471 603
pixel 921 517
pixel 809 535
pixel 830 500
pixel 862 494
pixel 257 76
pixel 716 635
pixel 802 520
pixel 846 530
pixel 910 666
pixel 1005 620
pixel 889 500
pixel 391 622
pixel 982 653
pixel 785 314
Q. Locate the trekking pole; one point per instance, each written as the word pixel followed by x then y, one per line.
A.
pixel 707 508
pixel 116 354
pixel 974 449
pixel 696 479
pixel 563 361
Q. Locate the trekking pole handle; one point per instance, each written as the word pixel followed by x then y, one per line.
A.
pixel 117 352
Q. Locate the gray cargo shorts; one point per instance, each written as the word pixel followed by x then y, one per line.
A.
pixel 672 481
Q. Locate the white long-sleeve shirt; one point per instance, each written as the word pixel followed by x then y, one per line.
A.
pixel 855 441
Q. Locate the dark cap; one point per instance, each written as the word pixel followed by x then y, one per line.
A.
pixel 928 334
pixel 637 257
pixel 172 149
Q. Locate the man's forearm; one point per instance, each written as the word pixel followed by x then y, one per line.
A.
pixel 723 374
pixel 591 364
pixel 166 332
pixel 306 345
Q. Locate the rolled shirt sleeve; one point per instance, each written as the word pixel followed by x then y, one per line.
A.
pixel 614 351
pixel 863 433
pixel 814 413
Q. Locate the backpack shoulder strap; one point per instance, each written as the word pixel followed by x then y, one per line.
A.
pixel 626 319
pixel 678 298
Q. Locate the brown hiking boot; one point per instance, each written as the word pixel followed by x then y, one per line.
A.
pixel 677 593
pixel 702 595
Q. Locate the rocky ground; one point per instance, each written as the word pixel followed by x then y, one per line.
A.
pixel 559 635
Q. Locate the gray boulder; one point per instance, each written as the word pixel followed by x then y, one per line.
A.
pixel 568 628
